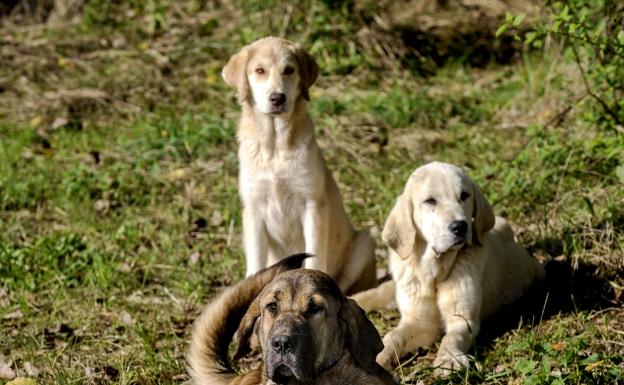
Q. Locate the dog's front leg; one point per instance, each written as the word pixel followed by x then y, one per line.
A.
pixel 419 327
pixel 255 241
pixel 459 301
pixel 315 234
pixel 380 297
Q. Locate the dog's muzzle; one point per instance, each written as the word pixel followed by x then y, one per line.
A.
pixel 278 102
pixel 289 353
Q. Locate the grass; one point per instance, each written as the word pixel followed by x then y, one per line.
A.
pixel 119 213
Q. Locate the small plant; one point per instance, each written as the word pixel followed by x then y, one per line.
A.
pixel 594 39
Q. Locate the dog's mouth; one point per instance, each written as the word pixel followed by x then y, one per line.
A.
pixel 282 374
pixel 283 369
pixel 278 110
pixel 457 245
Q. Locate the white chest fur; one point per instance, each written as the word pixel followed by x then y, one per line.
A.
pixel 278 180
pixel 417 277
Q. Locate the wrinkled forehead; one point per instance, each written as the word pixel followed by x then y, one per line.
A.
pixel 300 287
pixel 439 180
pixel 272 52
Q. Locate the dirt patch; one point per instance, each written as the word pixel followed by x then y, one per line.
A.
pixel 424 35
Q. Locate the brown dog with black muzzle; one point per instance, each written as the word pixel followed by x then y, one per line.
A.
pixel 309 332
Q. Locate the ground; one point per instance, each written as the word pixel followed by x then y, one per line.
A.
pixel 119 213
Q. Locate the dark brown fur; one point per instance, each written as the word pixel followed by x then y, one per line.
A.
pixel 331 342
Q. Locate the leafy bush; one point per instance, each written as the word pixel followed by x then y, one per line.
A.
pixel 594 39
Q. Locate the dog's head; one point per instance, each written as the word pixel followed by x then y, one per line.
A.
pixel 440 206
pixel 304 325
pixel 271 74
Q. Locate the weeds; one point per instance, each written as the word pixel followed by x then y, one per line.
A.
pixel 119 213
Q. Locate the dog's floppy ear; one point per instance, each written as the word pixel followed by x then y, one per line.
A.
pixel 308 70
pixel 483 215
pixel 399 232
pixel 235 73
pixel 362 339
pixel 246 333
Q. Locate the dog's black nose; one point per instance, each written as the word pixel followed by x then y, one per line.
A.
pixel 277 99
pixel 459 228
pixel 281 343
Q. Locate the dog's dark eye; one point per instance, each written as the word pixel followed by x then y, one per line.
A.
pixel 464 195
pixel 431 202
pixel 259 71
pixel 288 70
pixel 314 308
pixel 271 307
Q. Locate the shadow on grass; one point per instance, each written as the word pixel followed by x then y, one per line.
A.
pixel 568 288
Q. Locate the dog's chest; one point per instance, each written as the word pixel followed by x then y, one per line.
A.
pixel 418 277
pixel 279 187
pixel 279 192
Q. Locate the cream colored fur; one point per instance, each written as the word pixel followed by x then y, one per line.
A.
pixel 444 284
pixel 290 201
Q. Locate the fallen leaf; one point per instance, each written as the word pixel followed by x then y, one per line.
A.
pixel 124 267
pixel 216 219
pixel 31 369
pixel 27 154
pixel 13 315
pixel 22 381
pixel 619 172
pixel 178 173
pixel 101 205
pixel 5 370
pixel 59 122
pixel 559 346
pixel 89 372
pixel 594 365
pixel 194 258
pixel 160 344
pixel 126 318
pixel 500 369
pixel 35 122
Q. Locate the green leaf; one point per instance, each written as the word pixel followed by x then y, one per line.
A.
pixel 525 366
pixel 619 172
pixel 530 37
pixel 565 13
pixel 501 29
pixel 518 19
pixel 590 205
pixel 509 17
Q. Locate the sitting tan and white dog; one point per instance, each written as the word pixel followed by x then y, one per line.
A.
pixel 453 264
pixel 291 203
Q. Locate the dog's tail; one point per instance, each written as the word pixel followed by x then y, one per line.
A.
pixel 214 329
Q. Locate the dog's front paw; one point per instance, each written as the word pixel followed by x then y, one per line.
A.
pixel 449 361
pixel 387 358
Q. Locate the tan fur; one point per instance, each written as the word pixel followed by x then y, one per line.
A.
pixel 339 342
pixel 290 201
pixel 443 284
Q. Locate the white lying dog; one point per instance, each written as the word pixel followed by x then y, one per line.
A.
pixel 453 264
pixel 291 203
